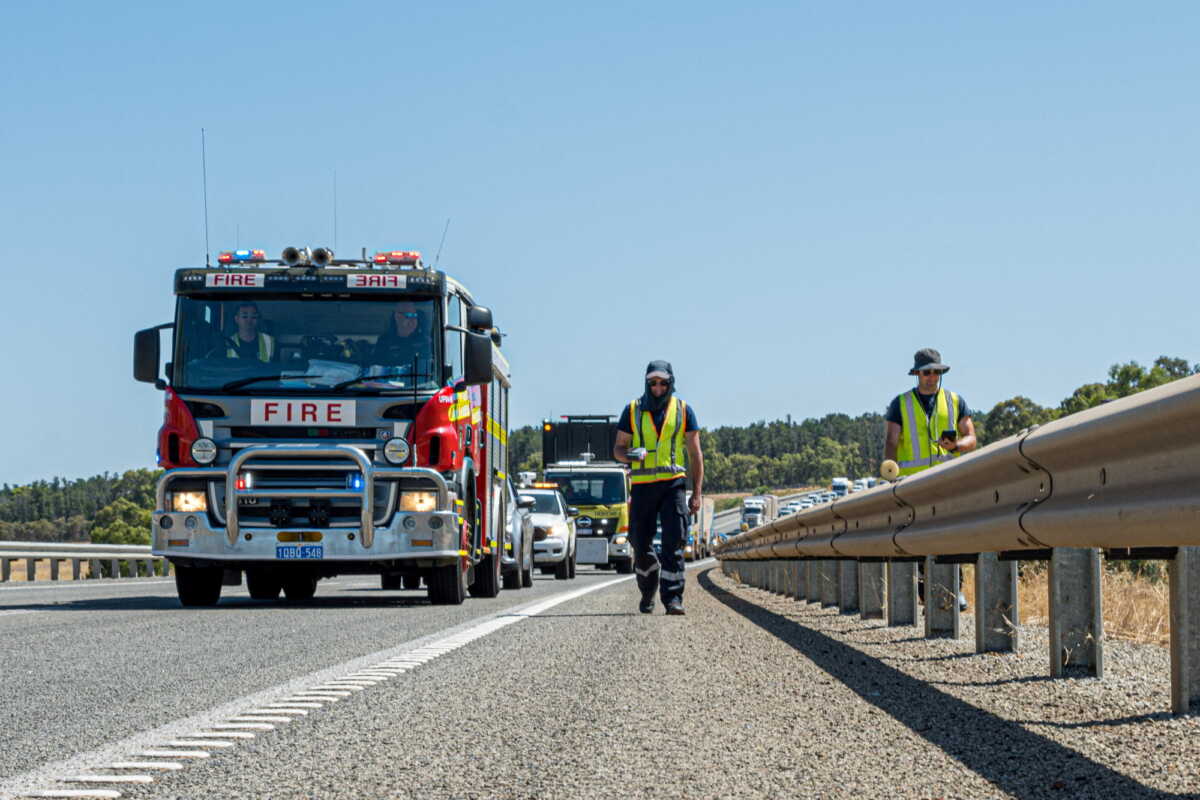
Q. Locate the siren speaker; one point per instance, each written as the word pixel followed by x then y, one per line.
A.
pixel 322 257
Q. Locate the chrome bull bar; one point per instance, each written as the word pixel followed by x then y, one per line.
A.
pixel 290 452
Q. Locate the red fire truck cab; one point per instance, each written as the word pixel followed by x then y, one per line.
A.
pixel 326 417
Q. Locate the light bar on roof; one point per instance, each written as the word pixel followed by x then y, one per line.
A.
pixel 409 258
pixel 242 257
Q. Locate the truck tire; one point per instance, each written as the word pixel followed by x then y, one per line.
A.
pixel 198 586
pixel 299 588
pixel 446 585
pixel 562 570
pixel 625 567
pixel 487 577
pixel 412 581
pixel 527 576
pixel 512 579
pixel 263 584
pixel 390 583
pixel 574 555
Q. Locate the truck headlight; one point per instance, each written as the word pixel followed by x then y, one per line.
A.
pixel 418 501
pixel 189 501
pixel 204 450
pixel 396 450
pixel 621 540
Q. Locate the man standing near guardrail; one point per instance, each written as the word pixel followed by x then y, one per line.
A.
pixel 928 425
pixel 652 433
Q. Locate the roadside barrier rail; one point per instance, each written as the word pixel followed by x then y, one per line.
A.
pixel 1122 478
pixel 136 559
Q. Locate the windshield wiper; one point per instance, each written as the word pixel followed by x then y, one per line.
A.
pixel 239 383
pixel 351 382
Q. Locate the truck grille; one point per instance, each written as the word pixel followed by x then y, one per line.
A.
pixel 301 433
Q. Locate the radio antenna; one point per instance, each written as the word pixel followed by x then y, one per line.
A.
pixel 438 257
pixel 204 179
pixel 335 210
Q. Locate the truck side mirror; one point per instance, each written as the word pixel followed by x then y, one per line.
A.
pixel 525 501
pixel 477 368
pixel 145 355
pixel 572 511
pixel 479 318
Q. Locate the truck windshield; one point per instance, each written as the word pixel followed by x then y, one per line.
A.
pixel 306 344
pixel 594 489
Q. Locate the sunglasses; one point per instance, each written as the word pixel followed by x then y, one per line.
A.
pixel 411 314
pixel 928 372
pixel 656 382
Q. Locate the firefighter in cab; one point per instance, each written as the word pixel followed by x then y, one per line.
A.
pixel 249 342
pixel 659 437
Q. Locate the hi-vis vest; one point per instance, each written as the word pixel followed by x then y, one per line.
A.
pixel 664 449
pixel 266 348
pixel 919 448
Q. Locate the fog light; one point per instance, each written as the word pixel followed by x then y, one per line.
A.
pixel 190 523
pixel 204 450
pixel 410 523
pixel 396 450
pixel 435 522
pixel 165 523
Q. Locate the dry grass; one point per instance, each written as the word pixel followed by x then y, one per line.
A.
pixel 1135 608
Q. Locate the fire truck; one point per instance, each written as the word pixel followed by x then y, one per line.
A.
pixel 329 416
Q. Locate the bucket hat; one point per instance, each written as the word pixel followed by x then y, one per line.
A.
pixel 927 358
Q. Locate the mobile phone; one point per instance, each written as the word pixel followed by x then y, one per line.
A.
pixel 950 434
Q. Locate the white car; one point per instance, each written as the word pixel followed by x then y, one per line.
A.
pixel 553 532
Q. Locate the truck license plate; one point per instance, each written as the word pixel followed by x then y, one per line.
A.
pixel 299 551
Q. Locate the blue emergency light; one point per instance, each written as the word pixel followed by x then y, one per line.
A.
pixel 354 482
pixel 242 257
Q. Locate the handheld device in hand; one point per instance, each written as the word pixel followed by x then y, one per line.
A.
pixel 949 434
pixel 636 453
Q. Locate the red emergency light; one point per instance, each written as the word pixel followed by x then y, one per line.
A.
pixel 242 257
pixel 407 257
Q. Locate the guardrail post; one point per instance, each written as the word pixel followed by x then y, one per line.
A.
pixel 75 568
pixel 870 589
pixel 829 583
pixel 801 587
pixel 94 568
pixel 53 569
pixel 5 569
pixel 812 580
pixel 847 586
pixel 996 612
pixel 115 563
pixel 31 569
pixel 1184 572
pixel 901 593
pixel 941 599
pixel 1076 627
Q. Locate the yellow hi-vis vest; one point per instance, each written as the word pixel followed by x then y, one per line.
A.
pixel 266 348
pixel 919 448
pixel 664 449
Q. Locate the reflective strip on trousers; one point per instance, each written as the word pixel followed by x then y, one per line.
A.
pixel 672 576
pixel 648 570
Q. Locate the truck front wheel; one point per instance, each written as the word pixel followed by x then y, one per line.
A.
pixel 198 586
pixel 446 585
pixel 299 588
pixel 487 577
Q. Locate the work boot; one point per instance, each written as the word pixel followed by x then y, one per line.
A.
pixel 675 608
pixel 646 606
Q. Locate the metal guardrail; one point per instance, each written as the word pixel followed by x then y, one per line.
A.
pixel 137 559
pixel 1122 477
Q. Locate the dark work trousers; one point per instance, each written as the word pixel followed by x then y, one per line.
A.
pixel 666 501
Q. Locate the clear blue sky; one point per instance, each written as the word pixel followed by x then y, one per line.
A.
pixel 784 200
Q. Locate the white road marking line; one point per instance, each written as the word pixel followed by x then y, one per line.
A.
pixel 109 779
pixel 163 765
pixel 242 726
pixel 295 712
pixel 84 584
pixel 198 743
pixel 226 735
pixel 279 719
pixel 175 754
pixel 14 611
pixel 94 794
pixel 296 705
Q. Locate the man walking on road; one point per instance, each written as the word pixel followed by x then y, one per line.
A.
pixel 652 433
pixel 928 425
